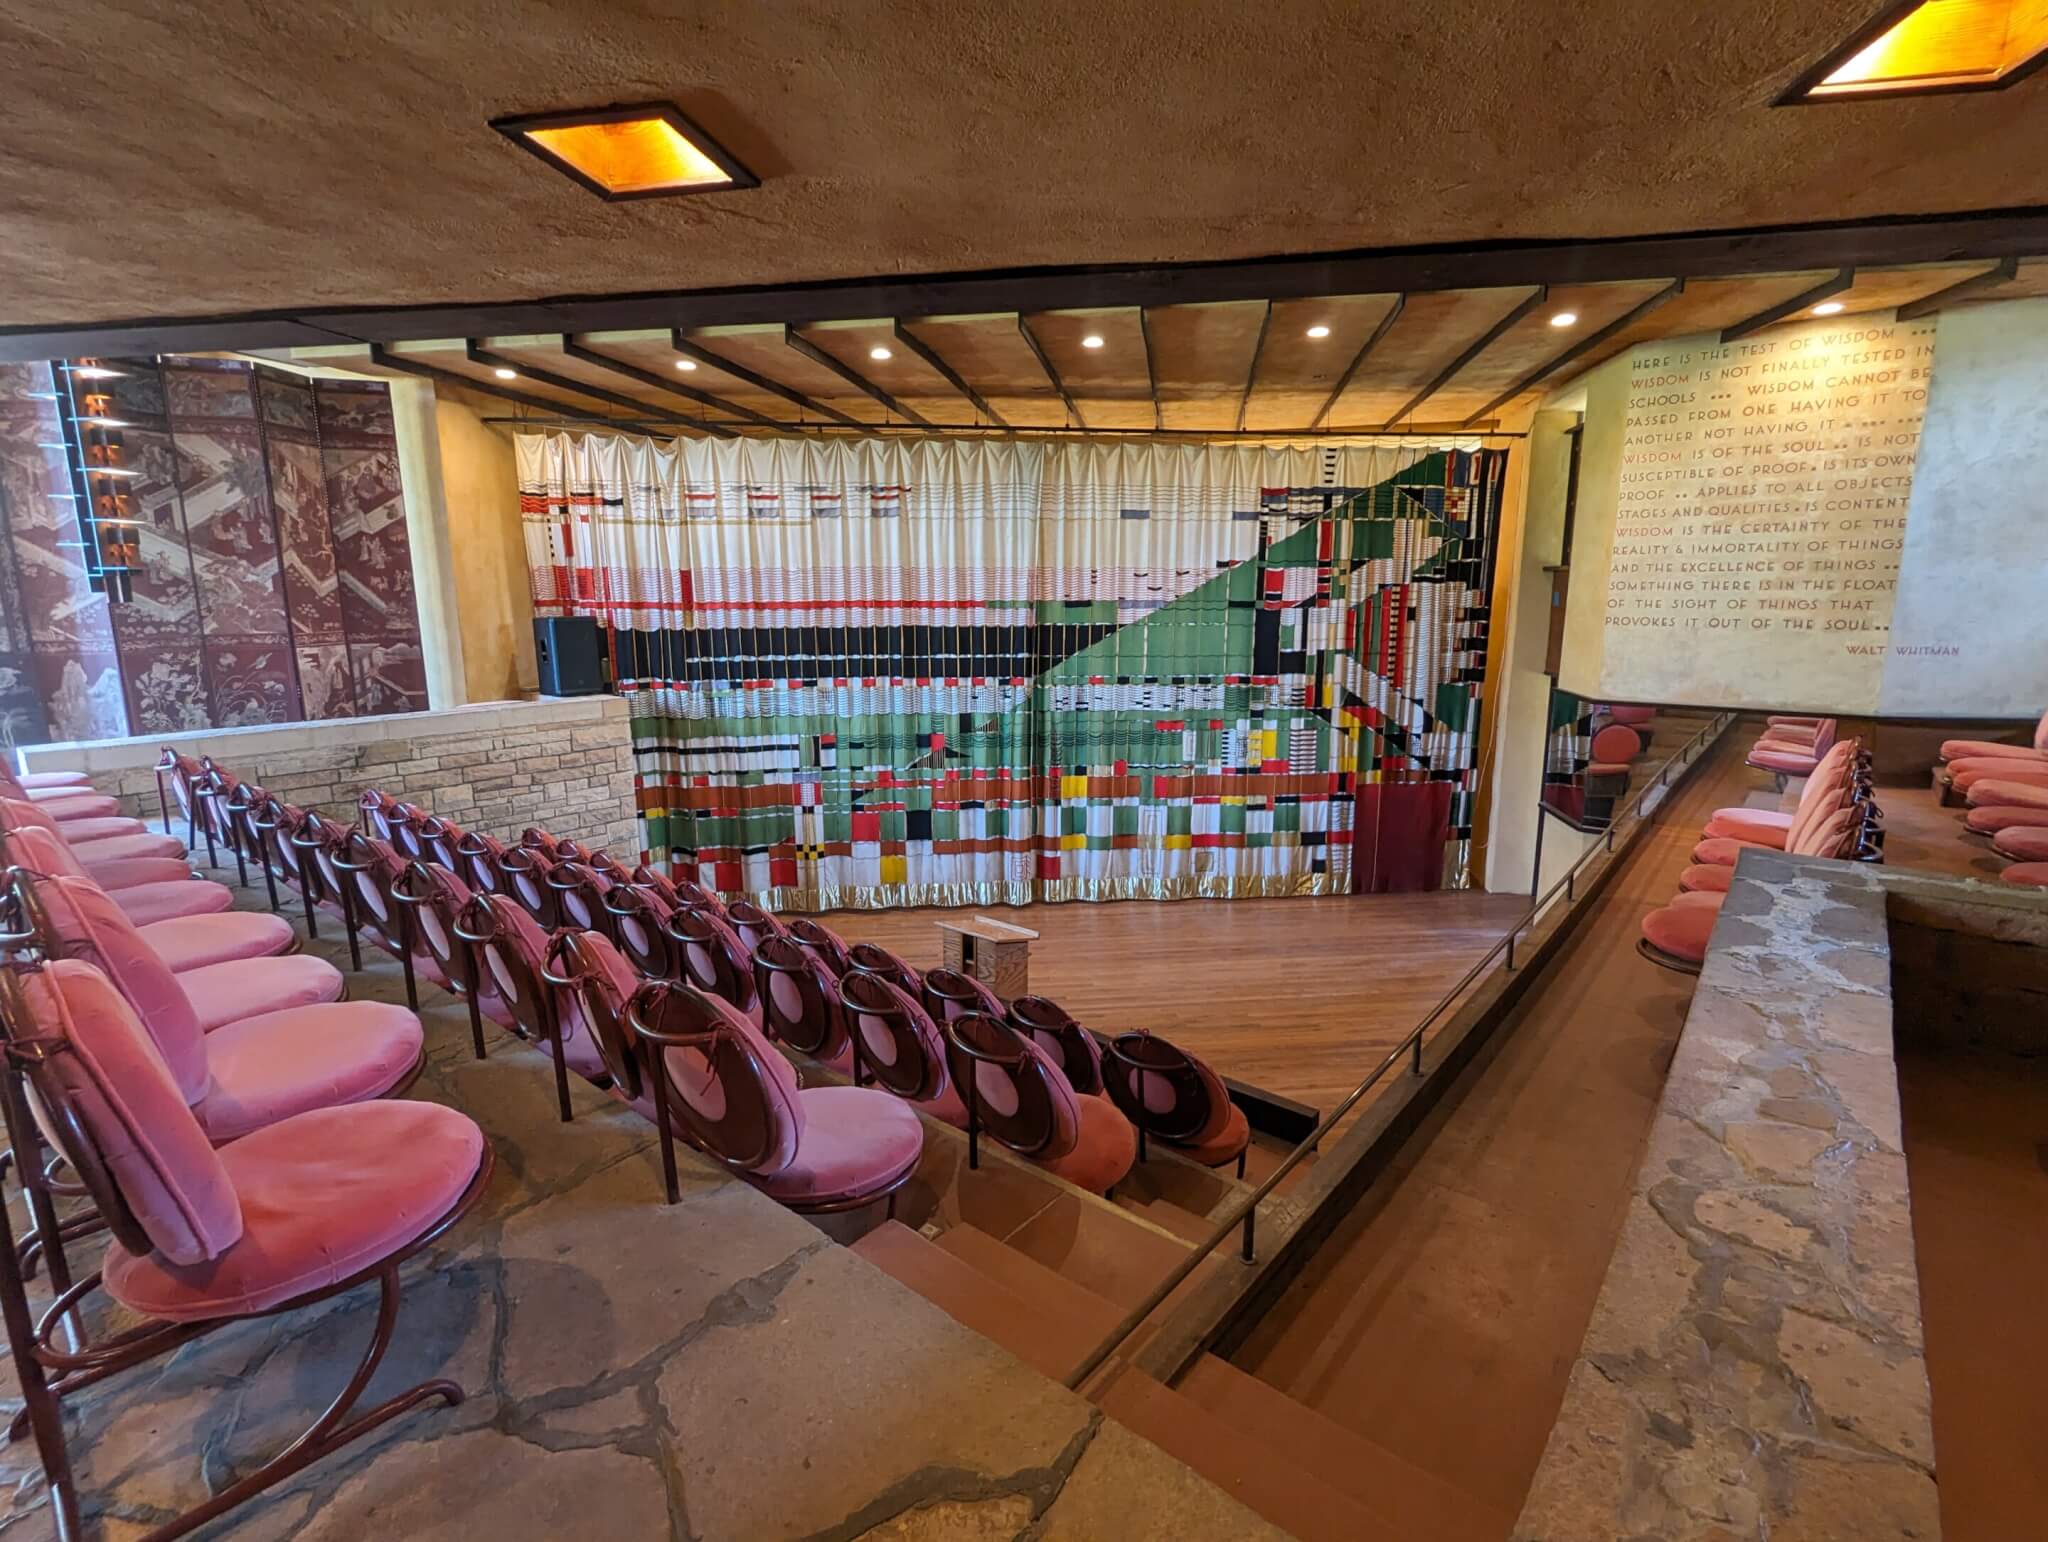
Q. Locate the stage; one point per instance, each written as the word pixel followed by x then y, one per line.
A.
pixel 1293 996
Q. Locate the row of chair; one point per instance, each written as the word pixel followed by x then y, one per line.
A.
pixel 1835 818
pixel 231 1122
pixel 2005 788
pixel 1792 747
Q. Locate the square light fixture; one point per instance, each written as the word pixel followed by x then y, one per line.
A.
pixel 642 150
pixel 1928 46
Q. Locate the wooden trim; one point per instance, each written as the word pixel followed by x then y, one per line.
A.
pixel 849 374
pixel 2004 273
pixel 930 355
pixel 1051 374
pixel 1151 371
pixel 379 355
pixel 1784 308
pixel 1344 380
pixel 1251 375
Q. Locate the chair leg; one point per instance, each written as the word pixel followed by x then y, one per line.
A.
pixel 476 1019
pixel 1240 1165
pixel 412 988
pixel 561 1075
pixel 306 894
pixel 328 1433
pixel 241 864
pixel 348 920
pixel 270 880
pixel 658 1074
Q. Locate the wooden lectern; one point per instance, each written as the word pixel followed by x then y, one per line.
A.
pixel 993 952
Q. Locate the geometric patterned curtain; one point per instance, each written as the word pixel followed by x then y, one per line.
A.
pixel 873 673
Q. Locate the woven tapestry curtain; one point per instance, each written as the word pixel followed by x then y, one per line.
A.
pixel 879 673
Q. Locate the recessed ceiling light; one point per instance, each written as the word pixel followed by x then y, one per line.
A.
pixel 878 353
pixel 686 364
pixel 1565 319
pixel 1092 340
pixel 505 374
pixel 1938 45
pixel 1828 308
pixel 647 150
pixel 1319 330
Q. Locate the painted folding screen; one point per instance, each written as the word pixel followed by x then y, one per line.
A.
pixel 875 673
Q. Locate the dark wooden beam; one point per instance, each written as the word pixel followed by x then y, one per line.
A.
pixel 483 355
pixel 1344 380
pixel 930 355
pixel 1582 347
pixel 1484 341
pixel 853 377
pixel 381 355
pixel 2004 273
pixel 794 397
pixel 1784 308
pixel 576 348
pixel 1151 371
pixel 1251 376
pixel 1038 353
pixel 1724 253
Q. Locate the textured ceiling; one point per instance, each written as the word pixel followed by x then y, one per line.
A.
pixel 199 159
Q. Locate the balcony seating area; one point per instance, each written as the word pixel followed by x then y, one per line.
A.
pixel 2004 791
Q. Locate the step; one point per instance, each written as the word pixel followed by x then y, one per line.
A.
pixel 1165 1214
pixel 1032 1280
pixel 1417 1502
pixel 1261 1477
pixel 1048 1341
pixel 1118 1256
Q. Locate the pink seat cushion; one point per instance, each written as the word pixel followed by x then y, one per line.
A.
pixel 131 871
pixel 193 942
pixel 35 781
pixel 2013 794
pixel 1706 899
pixel 1706 878
pixel 123 848
pixel 2023 843
pixel 1680 930
pixel 104 828
pixel 1224 1145
pixel 1723 850
pixel 249 987
pixel 1998 816
pixel 856 1141
pixel 1791 762
pixel 124 1094
pixel 1965 774
pixel 1103 1153
pixel 66 803
pixel 269 1068
pixel 1964 749
pixel 1780 821
pixel 148 903
pixel 1631 716
pixel 1755 826
pixel 2031 873
pixel 323 1197
pixel 1616 744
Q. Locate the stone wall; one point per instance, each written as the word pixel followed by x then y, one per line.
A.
pixel 497 767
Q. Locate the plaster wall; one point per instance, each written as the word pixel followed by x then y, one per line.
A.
pixel 493 599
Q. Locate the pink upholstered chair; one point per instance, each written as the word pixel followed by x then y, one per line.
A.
pixel 1769 827
pixel 182 941
pixel 376 813
pixel 592 987
pixel 821 941
pixel 301 1211
pixel 822 1150
pixel 638 915
pixel 478 856
pixel 1957 749
pixel 579 897
pixel 370 867
pixel 751 923
pixel 145 887
pixel 1785 752
pixel 1072 1048
pixel 1616 745
pixel 1016 1094
pixel 92 845
pixel 249 1042
pixel 948 994
pixel 898 1046
pixel 1677 935
pixel 513 990
pixel 1994 817
pixel 680 893
pixel 712 958
pixel 435 899
pixel 800 1007
pixel 873 958
pixel 2032 874
pixel 2022 843
pixel 1173 1096
pixel 2001 794
pixel 525 869
pixel 60 803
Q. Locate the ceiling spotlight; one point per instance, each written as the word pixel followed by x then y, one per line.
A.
pixel 878 353
pixel 642 151
pixel 1828 308
pixel 505 374
pixel 1565 319
pixel 686 364
pixel 1092 340
pixel 1319 330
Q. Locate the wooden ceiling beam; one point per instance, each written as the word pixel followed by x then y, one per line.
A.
pixel 482 355
pixel 1581 348
pixel 576 348
pixel 796 398
pixel 930 355
pixel 1804 300
pixel 2004 273
pixel 1344 380
pixel 1151 369
pixel 1251 376
pixel 380 355
pixel 1485 340
pixel 846 372
pixel 1051 374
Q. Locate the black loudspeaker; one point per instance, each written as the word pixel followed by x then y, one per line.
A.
pixel 565 648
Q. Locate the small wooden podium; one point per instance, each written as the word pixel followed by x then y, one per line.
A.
pixel 993 952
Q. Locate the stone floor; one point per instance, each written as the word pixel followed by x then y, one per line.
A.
pixel 717 1370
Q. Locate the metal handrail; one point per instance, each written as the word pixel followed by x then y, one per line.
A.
pixel 1246 1209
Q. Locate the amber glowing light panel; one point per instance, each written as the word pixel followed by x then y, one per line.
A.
pixel 629 152
pixel 1943 45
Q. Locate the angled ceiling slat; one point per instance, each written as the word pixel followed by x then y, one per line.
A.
pixel 1201 354
pixel 545 354
pixel 990 355
pixel 1109 384
pixel 1433 329
pixel 1298 372
pixel 1533 341
pixel 654 352
pixel 1707 305
pixel 761 350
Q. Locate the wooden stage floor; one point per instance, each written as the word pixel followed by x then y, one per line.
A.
pixel 1293 996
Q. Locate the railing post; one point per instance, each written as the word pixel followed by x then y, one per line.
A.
pixel 1250 1254
pixel 1418 1054
pixel 1511 952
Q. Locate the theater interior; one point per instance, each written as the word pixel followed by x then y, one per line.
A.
pixel 1075 772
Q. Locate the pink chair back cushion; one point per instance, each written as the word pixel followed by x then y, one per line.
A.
pixel 1617 743
pixel 19 817
pixel 450 895
pixel 42 851
pixel 1830 837
pixel 86 919
pixel 1065 1102
pixel 693 1078
pixel 137 1116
